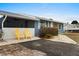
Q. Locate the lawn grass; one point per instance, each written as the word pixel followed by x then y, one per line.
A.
pixel 74 36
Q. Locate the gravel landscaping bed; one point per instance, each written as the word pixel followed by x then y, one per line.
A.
pixel 19 50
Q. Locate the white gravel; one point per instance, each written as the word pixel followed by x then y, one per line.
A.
pixel 19 50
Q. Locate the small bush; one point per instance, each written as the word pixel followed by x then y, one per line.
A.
pixel 48 32
pixel 48 36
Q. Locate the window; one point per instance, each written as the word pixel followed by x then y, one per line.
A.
pixel 19 23
pixel 60 26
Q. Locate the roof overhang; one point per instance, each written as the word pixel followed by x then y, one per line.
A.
pixel 58 22
pixel 45 19
pixel 30 17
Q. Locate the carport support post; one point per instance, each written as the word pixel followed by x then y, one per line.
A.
pixel 3 25
pixel 3 21
pixel 51 24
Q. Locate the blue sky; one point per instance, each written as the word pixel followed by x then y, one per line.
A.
pixel 59 11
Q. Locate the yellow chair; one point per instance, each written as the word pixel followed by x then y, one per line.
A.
pixel 27 33
pixel 19 35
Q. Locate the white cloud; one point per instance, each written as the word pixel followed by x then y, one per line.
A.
pixel 63 18
pixel 1 16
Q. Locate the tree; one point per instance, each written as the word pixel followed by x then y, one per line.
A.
pixel 74 22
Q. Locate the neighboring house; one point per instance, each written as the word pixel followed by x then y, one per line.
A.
pixel 10 21
pixel 71 27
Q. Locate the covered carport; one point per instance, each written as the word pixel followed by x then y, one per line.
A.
pixel 11 21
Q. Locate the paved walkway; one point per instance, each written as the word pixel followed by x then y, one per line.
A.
pixel 63 38
pixel 13 41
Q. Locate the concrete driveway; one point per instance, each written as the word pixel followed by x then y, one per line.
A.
pixel 52 48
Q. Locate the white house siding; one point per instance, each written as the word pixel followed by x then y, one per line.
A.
pixel 9 33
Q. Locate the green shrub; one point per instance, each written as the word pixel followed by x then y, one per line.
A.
pixel 48 32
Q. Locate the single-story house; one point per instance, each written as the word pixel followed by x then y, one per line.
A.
pixel 71 27
pixel 10 21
